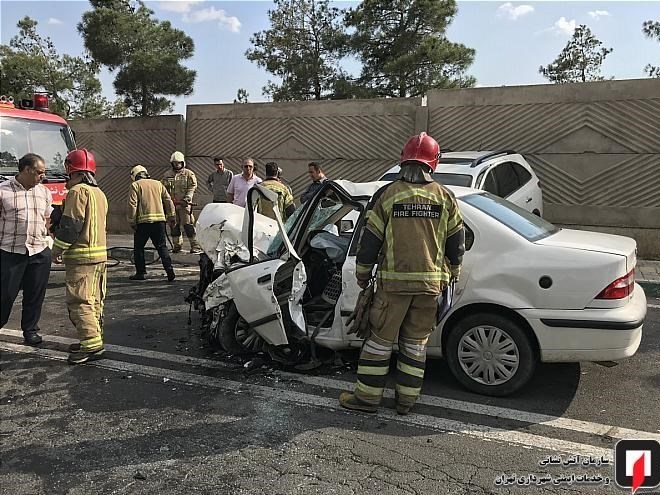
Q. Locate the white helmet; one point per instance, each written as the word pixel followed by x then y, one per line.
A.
pixel 177 156
pixel 138 169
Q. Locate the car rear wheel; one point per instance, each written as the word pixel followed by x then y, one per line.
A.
pixel 490 354
pixel 236 336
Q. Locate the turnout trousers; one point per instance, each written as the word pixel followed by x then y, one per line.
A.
pixel 156 232
pixel 411 318
pixel 184 220
pixel 85 294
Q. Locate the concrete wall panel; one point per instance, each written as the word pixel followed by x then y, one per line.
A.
pixel 118 144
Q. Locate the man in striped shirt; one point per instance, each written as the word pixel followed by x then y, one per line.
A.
pixel 25 207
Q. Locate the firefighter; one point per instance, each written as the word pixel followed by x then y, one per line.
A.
pixel 149 205
pixel 80 244
pixel 181 184
pixel 414 233
pixel 272 182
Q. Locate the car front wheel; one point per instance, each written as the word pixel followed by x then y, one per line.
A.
pixel 490 354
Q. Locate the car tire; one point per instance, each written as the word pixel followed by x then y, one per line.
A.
pixel 467 357
pixel 231 326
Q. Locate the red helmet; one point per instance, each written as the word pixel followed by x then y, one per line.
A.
pixel 421 148
pixel 80 161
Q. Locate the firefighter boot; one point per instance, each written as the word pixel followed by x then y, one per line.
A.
pixel 80 357
pixel 349 401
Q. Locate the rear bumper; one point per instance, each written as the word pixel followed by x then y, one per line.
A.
pixel 590 334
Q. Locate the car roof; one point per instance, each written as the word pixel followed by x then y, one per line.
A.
pixel 458 162
pixel 361 189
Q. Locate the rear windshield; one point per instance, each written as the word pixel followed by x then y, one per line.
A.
pixel 528 225
pixel 50 140
pixel 444 179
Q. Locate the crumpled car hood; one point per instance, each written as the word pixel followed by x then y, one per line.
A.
pixel 219 230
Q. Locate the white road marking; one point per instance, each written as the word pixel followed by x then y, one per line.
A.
pixel 419 420
pixel 601 430
pixel 654 306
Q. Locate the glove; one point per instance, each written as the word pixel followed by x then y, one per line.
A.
pixel 359 318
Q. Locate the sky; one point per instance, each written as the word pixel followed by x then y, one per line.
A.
pixel 511 39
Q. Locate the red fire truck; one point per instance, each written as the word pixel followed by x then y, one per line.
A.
pixel 29 127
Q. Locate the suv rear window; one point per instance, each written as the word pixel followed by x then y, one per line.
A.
pixel 444 179
pixel 524 223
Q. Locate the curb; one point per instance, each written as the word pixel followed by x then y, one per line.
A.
pixel 651 287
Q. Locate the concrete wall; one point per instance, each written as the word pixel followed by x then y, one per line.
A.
pixel 595 147
pixel 356 139
pixel 118 144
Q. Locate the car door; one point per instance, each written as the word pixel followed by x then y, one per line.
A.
pixel 503 181
pixel 524 194
pixel 253 285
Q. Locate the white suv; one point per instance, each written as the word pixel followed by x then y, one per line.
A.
pixel 503 173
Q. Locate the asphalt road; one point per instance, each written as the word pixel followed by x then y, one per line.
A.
pixel 163 414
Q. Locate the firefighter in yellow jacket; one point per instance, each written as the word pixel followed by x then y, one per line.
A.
pixel 149 205
pixel 414 232
pixel 285 204
pixel 181 184
pixel 80 243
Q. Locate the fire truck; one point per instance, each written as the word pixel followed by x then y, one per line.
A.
pixel 30 127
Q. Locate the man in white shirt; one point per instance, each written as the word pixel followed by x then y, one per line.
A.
pixel 25 256
pixel 241 184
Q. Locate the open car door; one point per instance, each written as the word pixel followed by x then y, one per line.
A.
pixel 254 285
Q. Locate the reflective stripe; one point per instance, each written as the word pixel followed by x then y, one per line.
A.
pixel 359 268
pixel 373 350
pixel 417 276
pixel 410 370
pixel 366 389
pixel 373 370
pixel 61 244
pixel 156 217
pixel 93 343
pixel 377 224
pixel 414 392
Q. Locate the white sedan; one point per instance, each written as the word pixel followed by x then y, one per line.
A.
pixel 529 292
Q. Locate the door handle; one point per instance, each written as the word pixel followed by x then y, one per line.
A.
pixel 528 200
pixel 264 280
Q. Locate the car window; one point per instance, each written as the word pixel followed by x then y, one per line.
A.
pixel 490 184
pixel 441 178
pixel 507 180
pixel 524 223
pixel 523 174
pixel 276 244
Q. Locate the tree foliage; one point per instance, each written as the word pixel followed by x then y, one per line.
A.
pixel 579 61
pixel 241 96
pixel 404 48
pixel 145 52
pixel 31 64
pixel 651 30
pixel 302 49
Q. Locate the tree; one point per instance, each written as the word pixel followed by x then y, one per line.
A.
pixel 123 35
pixel 579 61
pixel 302 49
pixel 651 30
pixel 241 96
pixel 31 64
pixel 404 48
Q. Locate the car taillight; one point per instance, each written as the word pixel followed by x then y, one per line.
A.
pixel 620 288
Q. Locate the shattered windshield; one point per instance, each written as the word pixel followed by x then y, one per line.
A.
pixel 323 210
pixel 18 137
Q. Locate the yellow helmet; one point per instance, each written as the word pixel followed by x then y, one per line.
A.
pixel 138 169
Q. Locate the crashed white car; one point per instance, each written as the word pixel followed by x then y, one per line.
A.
pixel 529 292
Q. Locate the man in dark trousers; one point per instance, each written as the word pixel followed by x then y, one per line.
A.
pixel 149 206
pixel 25 255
